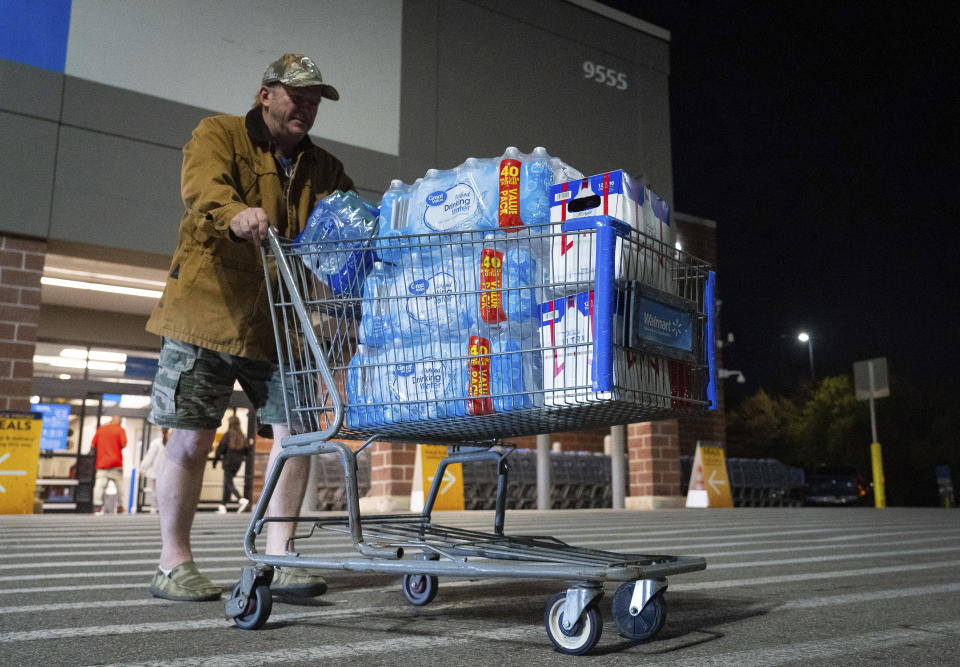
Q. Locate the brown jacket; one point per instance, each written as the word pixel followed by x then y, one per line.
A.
pixel 215 295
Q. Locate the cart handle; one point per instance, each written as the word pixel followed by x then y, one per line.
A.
pixel 329 384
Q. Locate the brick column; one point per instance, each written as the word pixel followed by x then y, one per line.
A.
pixel 654 453
pixel 21 265
pixel 391 478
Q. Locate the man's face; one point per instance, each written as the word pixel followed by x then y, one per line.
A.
pixel 289 112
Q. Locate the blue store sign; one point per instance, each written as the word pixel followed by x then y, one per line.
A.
pixel 55 424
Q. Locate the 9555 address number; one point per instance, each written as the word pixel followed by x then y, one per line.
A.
pixel 605 75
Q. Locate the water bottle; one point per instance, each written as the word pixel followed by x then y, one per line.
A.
pixel 365 389
pixel 504 371
pixel 379 323
pixel 563 172
pixel 535 181
pixel 483 174
pixel 521 303
pixel 393 224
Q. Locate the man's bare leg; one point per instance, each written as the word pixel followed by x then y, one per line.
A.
pixel 288 494
pixel 178 491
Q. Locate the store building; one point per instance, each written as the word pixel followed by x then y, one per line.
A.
pixel 96 105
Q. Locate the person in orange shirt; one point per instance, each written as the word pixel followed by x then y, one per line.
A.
pixel 109 441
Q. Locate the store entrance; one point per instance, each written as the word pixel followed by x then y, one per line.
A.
pixel 66 472
pixel 81 389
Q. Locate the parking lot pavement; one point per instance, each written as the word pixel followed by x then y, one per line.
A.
pixel 782 586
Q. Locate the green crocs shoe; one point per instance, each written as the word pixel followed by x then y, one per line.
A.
pixel 184 584
pixel 297 582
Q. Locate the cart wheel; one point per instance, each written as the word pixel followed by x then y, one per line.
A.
pixel 644 625
pixel 419 589
pixel 258 608
pixel 579 639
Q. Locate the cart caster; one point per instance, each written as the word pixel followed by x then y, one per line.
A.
pixel 257 609
pixel 582 636
pixel 638 620
pixel 419 589
pixel 250 600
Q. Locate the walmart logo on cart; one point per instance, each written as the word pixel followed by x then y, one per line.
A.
pixel 670 327
pixel 664 324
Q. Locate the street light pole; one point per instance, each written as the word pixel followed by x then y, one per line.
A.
pixel 804 337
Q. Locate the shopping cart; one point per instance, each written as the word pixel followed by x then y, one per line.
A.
pixel 467 339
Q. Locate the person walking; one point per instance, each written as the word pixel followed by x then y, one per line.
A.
pixel 233 449
pixel 240 175
pixel 108 441
pixel 151 465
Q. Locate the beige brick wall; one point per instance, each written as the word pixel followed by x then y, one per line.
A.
pixel 653 451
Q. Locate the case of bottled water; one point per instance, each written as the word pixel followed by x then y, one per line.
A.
pixel 618 195
pixel 506 192
pixel 343 223
pixel 567 335
pixel 450 309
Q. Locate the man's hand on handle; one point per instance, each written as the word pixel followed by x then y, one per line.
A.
pixel 250 224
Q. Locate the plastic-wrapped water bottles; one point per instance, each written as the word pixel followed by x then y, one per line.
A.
pixel 437 299
pixel 503 370
pixel 337 234
pixel 393 224
pixel 508 271
pixel 536 177
pixel 447 201
pixel 516 372
pixel 450 320
pixel 506 192
pixel 367 397
pixel 424 382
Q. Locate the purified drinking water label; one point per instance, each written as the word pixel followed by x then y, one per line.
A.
pixel 422 380
pixel 436 294
pixel 451 209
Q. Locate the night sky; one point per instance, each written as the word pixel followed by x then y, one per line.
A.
pixel 822 139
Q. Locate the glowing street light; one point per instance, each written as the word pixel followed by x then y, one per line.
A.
pixel 804 337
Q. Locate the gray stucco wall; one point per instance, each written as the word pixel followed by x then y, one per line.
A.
pixel 86 163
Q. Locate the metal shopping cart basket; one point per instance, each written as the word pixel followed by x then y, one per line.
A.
pixel 466 339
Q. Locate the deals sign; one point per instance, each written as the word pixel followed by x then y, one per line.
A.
pixel 19 458
pixel 450 495
pixel 709 485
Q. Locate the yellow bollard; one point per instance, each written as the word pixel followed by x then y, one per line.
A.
pixel 879 497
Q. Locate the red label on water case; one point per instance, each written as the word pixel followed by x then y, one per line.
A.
pixel 510 195
pixel 491 282
pixel 479 362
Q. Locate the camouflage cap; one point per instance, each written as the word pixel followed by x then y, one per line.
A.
pixel 297 70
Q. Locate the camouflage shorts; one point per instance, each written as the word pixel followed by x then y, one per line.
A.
pixel 193 386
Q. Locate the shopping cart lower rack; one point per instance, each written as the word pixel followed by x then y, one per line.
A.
pixel 467 339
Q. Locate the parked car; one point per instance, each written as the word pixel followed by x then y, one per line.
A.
pixel 836 485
